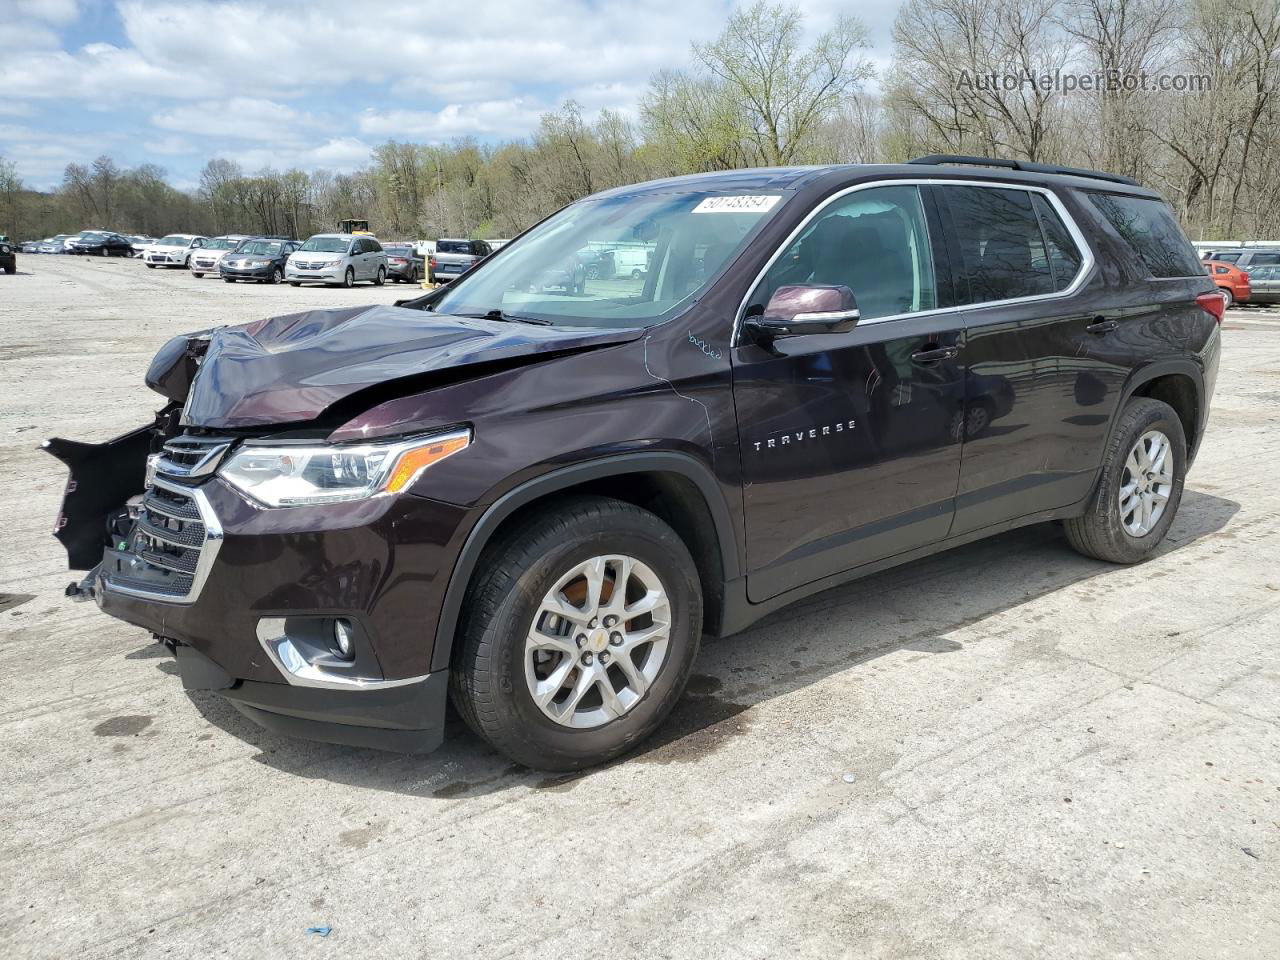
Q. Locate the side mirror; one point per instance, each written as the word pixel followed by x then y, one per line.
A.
pixel 811 308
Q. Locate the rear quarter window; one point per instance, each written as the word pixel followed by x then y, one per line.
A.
pixel 1149 228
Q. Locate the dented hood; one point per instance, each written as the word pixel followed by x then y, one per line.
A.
pixel 293 368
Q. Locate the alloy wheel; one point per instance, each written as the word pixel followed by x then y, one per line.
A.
pixel 1146 483
pixel 597 642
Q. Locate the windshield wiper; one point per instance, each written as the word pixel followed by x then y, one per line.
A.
pixel 507 318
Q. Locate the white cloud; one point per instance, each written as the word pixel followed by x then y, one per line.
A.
pixel 60 12
pixel 243 118
pixel 339 154
pixel 500 118
pixel 170 146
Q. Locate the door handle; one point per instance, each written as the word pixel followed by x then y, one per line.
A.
pixel 934 354
pixel 1101 325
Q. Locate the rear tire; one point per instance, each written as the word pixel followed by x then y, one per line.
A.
pixel 1228 296
pixel 1107 529
pixel 494 671
pixel 381 277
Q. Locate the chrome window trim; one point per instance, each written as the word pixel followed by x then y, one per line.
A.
pixel 208 548
pixel 1087 263
pixel 271 635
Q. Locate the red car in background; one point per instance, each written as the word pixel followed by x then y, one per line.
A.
pixel 1231 280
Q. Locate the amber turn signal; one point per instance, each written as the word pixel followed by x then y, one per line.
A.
pixel 413 462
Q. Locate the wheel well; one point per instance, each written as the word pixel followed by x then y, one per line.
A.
pixel 674 498
pixel 1179 392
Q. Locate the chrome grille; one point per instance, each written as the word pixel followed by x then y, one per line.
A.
pixel 190 457
pixel 176 535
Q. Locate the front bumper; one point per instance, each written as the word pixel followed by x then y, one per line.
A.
pixel 199 265
pixel 333 274
pixel 166 259
pixel 247 273
pixel 252 624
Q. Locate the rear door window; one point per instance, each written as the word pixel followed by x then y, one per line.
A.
pixel 999 249
pixel 875 242
pixel 1260 258
pixel 1150 229
pixel 1065 257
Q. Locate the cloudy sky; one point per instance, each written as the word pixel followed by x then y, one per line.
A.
pixel 317 83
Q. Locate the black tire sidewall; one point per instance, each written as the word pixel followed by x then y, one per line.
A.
pixel 519 727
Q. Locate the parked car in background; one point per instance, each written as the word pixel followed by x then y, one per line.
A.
pixel 453 258
pixel 173 251
pixel 1264 284
pixel 404 263
pixel 1246 258
pixel 537 505
pixel 1231 280
pixel 98 243
pixel 337 258
pixel 497 244
pixel 30 246
pixel 261 259
pixel 53 244
pixel 140 244
pixel 8 257
pixel 206 258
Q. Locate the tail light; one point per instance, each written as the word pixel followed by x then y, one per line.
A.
pixel 432 261
pixel 1214 304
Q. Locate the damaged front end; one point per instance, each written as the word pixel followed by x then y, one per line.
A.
pixel 106 524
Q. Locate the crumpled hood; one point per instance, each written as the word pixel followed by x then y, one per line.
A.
pixel 291 369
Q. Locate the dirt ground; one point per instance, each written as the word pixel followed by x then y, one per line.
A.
pixel 1048 756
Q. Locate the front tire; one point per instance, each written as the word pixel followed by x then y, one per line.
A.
pixel 277 276
pixel 1138 493
pixel 294 283
pixel 197 275
pixel 228 279
pixel 554 667
pixel 349 278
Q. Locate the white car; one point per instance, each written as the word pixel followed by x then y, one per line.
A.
pixel 68 241
pixel 173 250
pixel 337 258
pixel 205 259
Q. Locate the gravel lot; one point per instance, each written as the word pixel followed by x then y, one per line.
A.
pixel 1049 756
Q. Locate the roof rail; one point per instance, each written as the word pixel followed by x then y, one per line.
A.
pixel 936 159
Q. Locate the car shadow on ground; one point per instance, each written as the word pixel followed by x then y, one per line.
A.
pixel 791 649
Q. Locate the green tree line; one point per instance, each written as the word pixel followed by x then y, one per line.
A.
pixel 768 92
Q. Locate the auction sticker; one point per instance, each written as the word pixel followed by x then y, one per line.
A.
pixel 737 204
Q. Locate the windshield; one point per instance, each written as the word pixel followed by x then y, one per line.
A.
pixel 173 240
pixel 221 243
pixel 616 262
pixel 325 245
pixel 92 235
pixel 262 248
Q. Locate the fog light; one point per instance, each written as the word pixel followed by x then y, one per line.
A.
pixel 342 638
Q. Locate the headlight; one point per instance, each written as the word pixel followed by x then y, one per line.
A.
pixel 291 476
